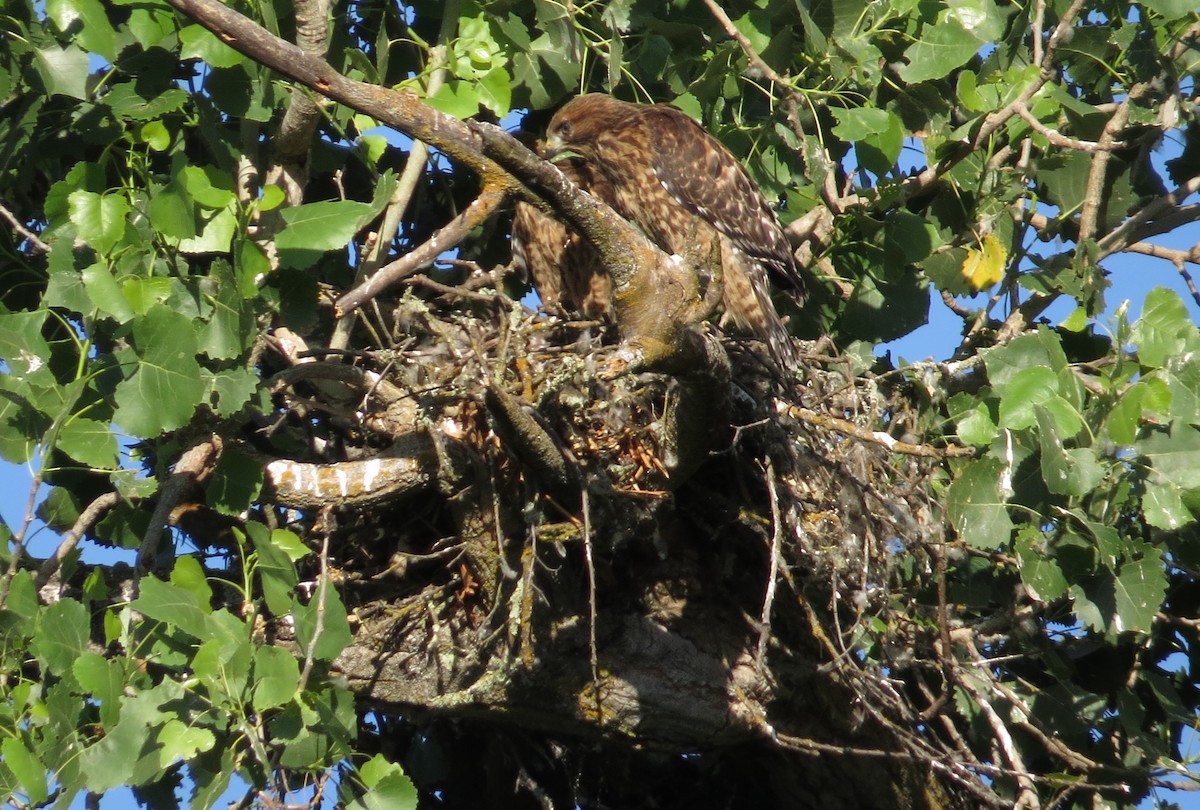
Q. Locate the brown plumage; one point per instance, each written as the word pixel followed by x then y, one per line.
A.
pixel 563 266
pixel 682 187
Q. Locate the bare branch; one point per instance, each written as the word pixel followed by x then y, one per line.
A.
pixel 86 520
pixel 34 241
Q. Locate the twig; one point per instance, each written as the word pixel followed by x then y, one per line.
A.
pixel 18 540
pixel 1056 138
pixel 1098 172
pixel 1124 233
pixel 319 623
pixel 453 291
pixel 36 243
pixel 1028 794
pixel 593 652
pixel 192 467
pixel 873 436
pixel 452 234
pixel 414 168
pixel 87 518
pixel 764 622
pixel 755 60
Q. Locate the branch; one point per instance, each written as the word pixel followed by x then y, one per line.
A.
pixel 480 209
pixel 87 518
pixel 196 463
pixel 873 436
pixel 36 243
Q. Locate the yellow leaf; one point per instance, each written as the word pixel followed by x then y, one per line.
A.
pixel 984 267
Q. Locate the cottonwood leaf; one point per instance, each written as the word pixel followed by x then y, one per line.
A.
pixel 977 507
pixel 172 605
pixel 63 630
pixel 166 385
pixel 1141 586
pixel 277 676
pixel 938 50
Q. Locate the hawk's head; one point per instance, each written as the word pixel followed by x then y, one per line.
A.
pixel 575 128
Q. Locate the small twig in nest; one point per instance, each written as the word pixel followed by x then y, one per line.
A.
pixel 873 436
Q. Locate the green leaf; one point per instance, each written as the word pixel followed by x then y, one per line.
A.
pixel 1026 389
pixel 1040 572
pixel 318 227
pixel 1162 330
pixel 976 426
pixel 172 211
pixel 335 630
pixel 200 43
pixel 105 680
pixel 1169 9
pixel 90 442
pixel 1174 457
pixel 290 544
pixel 388 787
pixel 63 70
pixel 25 765
pixel 1141 586
pixel 181 742
pixel 172 605
pixel 99 218
pixel 277 677
pixel 88 21
pixel 233 389
pixel 231 327
pixel 216 233
pixel 275 570
pixel 939 49
pixel 235 484
pixel 155 135
pixel 105 293
pixel 22 346
pixel 495 90
pixel 976 503
pixel 189 575
pixel 457 98
pixel 1163 506
pixel 1066 472
pixel 62 635
pixel 252 266
pixel 166 386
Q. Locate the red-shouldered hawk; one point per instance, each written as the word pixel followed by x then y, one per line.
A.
pixel 681 187
pixel 564 267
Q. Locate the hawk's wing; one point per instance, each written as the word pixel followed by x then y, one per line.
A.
pixel 563 266
pixel 702 175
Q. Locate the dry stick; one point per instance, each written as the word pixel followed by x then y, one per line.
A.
pixel 37 244
pixel 744 42
pixel 18 540
pixel 1098 171
pixel 1028 793
pixel 1056 138
pixel 764 622
pixel 319 624
pixel 1123 234
pixel 482 207
pixel 192 467
pixel 593 652
pixel 87 518
pixel 873 436
pixel 414 168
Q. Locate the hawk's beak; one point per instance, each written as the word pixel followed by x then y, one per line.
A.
pixel 553 148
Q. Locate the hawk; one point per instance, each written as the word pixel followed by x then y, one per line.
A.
pixel 564 267
pixel 680 186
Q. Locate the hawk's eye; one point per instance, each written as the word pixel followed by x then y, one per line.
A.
pixel 564 129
